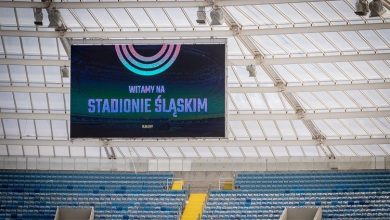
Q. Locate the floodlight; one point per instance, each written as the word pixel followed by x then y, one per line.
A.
pixel 361 7
pixel 377 8
pixel 216 15
pixel 54 18
pixel 38 16
pixel 64 72
pixel 201 13
pixel 252 70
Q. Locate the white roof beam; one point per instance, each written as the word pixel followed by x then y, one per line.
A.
pixel 143 4
pixel 230 62
pixel 197 33
pixel 244 89
pixel 245 115
pixel 191 142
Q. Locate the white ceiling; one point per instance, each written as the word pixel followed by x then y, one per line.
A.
pixel 333 63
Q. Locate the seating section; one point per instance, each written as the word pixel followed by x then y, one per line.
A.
pixel 342 195
pixel 114 195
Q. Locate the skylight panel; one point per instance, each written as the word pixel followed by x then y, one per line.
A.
pixel 56 102
pixel 103 17
pixel 299 72
pixel 333 71
pixel 320 124
pixel 316 72
pixel 52 74
pixel 284 42
pixel 173 152
pixel 178 17
pixel 339 41
pixel 301 129
pixel 382 68
pixel 345 10
pixel 265 152
pixel 285 74
pixel 366 70
pixel 383 124
pixel 269 45
pixel 350 71
pixel 358 42
pixel 59 129
pixel 30 150
pixel 385 34
pixel 342 98
pixel 270 129
pixel 274 101
pixel 344 150
pixel 43 129
pixel 304 43
pixel 376 98
pixel 233 48
pixel 360 150
pixel 159 17
pixel 238 129
pixel 272 14
pixel 27 129
pixel 12 46
pixel 92 151
pixel 243 75
pixel 18 73
pixel 286 129
pixel 338 127
pixel 241 101
pixel 279 151
pixel 4 76
pixel 369 126
pixel 61 151
pixel 291 13
pixel 234 151
pixel 49 48
pixel 86 18
pixel 143 151
pixel 295 151
pixel 219 152
pixel 374 40
pixel 121 17
pixel 327 11
pixel 7 17
pixel 23 102
pixel 328 100
pixel 15 150
pixel 232 79
pixel 311 100
pixel 375 150
pixel 39 102
pixel 256 15
pixel 354 127
pixel 204 151
pixel 254 129
pixel 310 151
pixel 189 152
pixel 77 151
pixel 360 98
pixel 309 12
pixel 11 128
pixel 30 46
pixel 158 152
pixel 7 102
pixel 69 20
pixel 242 19
pixel 35 74
pixel 3 150
pixel 140 17
pixel 249 152
pixel 321 42
pixel 257 101
pixel 25 16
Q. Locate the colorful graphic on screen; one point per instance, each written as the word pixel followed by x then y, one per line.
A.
pixel 168 90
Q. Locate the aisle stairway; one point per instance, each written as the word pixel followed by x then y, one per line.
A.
pixel 194 207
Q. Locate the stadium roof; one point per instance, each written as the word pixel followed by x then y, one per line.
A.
pixel 322 84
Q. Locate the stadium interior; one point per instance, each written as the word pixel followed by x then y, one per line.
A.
pixel 306 110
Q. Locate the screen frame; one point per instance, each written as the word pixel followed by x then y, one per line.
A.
pixel 152 42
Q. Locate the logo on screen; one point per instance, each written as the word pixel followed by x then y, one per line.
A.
pixel 147 65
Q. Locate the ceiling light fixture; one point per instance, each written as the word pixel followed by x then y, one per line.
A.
pixel 362 7
pixel 216 15
pixel 38 16
pixel 252 70
pixel 377 8
pixel 201 13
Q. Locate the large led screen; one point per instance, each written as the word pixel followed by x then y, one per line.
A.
pixel 168 90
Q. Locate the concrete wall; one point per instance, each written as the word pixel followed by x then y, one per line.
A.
pixel 196 164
